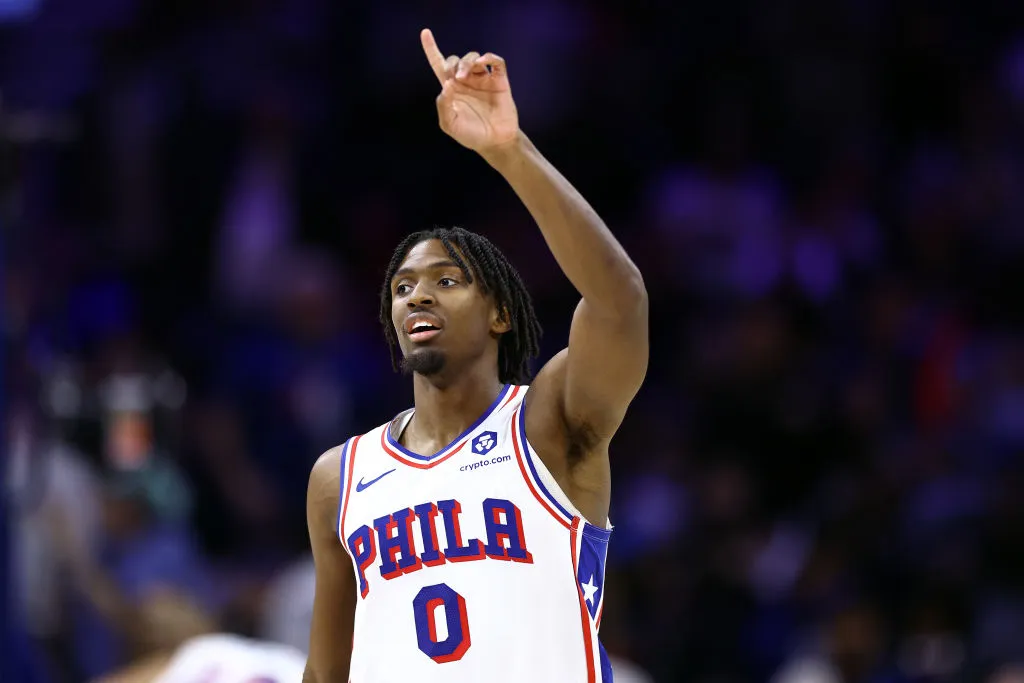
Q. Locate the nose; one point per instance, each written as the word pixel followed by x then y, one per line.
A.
pixel 421 296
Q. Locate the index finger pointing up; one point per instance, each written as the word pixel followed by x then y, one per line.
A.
pixel 433 54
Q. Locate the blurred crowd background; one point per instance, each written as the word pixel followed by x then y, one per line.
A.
pixel 822 478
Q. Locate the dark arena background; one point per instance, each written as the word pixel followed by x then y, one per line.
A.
pixel 822 479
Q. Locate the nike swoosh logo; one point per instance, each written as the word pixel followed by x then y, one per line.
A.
pixel 360 486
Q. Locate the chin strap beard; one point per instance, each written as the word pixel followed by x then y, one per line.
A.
pixel 424 362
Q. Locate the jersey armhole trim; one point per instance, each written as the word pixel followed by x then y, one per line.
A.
pixel 341 485
pixel 348 459
pixel 511 396
pixel 520 448
pixel 545 482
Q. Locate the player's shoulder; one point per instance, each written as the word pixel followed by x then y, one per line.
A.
pixel 323 489
pixel 510 397
pixel 548 383
pixel 507 403
pixel 515 391
pixel 327 466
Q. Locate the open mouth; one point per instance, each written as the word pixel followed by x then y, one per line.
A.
pixel 422 332
pixel 422 327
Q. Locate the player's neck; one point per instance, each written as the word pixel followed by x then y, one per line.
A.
pixel 445 410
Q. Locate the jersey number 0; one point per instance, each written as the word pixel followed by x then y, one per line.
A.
pixel 424 607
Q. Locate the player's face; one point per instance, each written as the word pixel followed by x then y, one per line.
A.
pixel 440 318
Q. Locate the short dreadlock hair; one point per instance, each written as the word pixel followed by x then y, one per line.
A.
pixel 477 257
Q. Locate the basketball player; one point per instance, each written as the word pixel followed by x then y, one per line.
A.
pixel 465 539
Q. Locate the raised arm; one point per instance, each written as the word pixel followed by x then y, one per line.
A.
pixel 334 603
pixel 583 392
pixel 591 383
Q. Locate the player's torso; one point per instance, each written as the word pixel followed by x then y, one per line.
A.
pixel 467 561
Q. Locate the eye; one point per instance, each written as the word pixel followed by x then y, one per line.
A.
pixel 447 282
pixel 402 288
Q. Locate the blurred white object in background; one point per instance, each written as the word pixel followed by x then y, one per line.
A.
pixel 625 671
pixel 807 670
pixel 225 658
pixel 288 606
pixel 42 475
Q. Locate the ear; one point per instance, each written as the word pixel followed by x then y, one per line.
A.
pixel 500 321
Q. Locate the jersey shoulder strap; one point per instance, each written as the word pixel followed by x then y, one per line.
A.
pixel 350 450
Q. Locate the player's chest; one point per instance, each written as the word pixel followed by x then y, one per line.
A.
pixel 462 499
pixel 399 519
pixel 487 467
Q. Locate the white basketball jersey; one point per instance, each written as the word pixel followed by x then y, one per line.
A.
pixel 471 564
pixel 225 658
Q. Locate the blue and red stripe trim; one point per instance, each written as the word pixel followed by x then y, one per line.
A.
pixel 588 635
pixel 407 457
pixel 348 464
pixel 519 425
pixel 521 460
pixel 341 485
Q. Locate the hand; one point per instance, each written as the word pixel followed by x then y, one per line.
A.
pixel 475 106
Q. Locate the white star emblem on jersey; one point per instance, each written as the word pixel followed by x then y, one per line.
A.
pixel 589 589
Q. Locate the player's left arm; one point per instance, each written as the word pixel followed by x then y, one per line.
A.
pixel 592 382
pixel 588 386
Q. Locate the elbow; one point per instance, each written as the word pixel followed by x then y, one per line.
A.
pixel 620 294
pixel 636 294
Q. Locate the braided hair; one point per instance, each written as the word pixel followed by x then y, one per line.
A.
pixel 477 257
